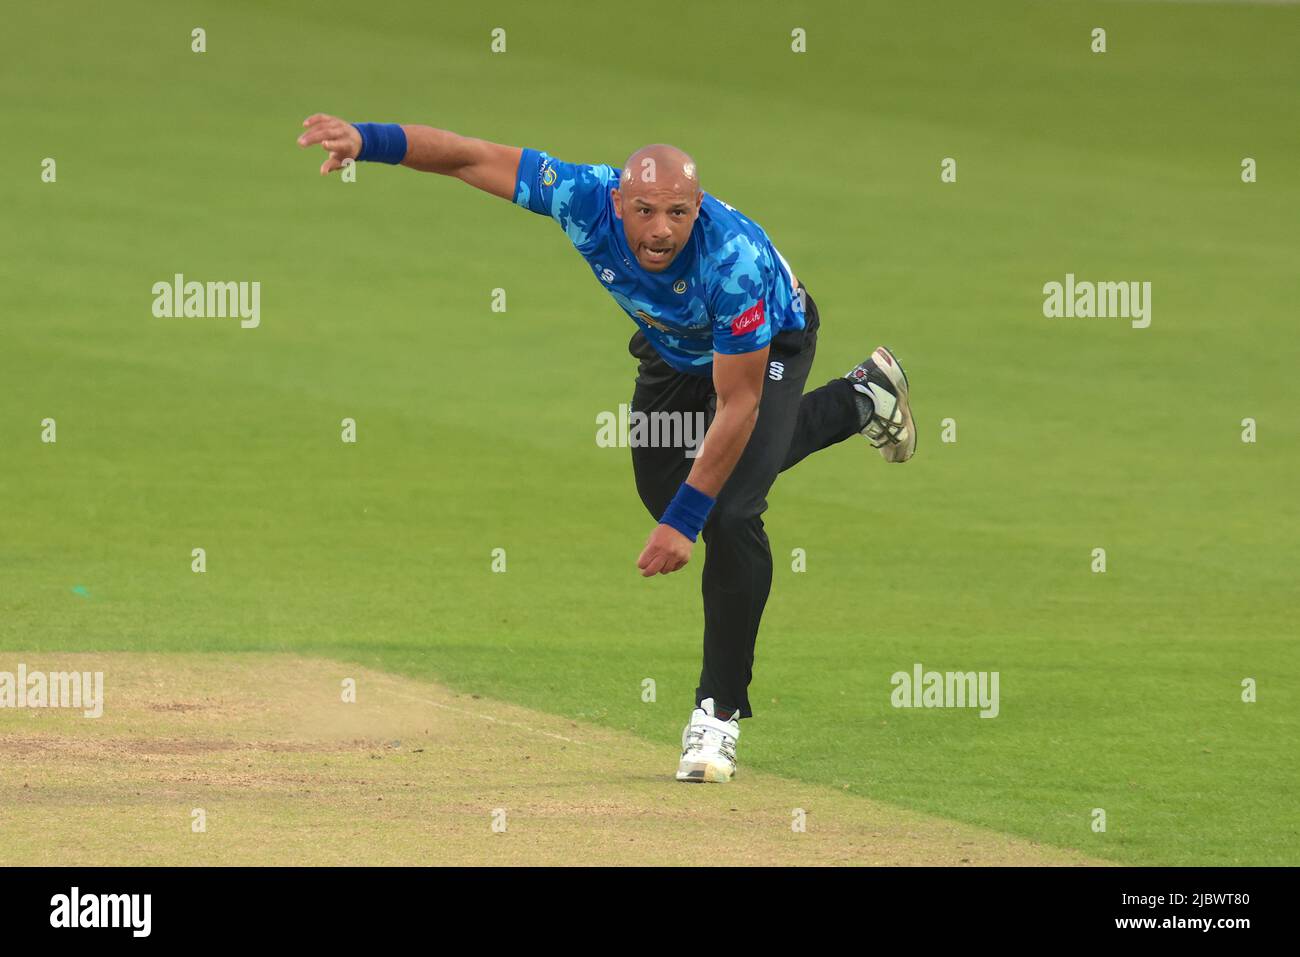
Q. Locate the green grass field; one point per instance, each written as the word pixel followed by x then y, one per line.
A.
pixel 476 429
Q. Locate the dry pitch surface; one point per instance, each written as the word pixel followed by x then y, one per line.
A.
pixel 412 773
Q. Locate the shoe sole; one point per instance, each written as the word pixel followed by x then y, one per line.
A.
pixel 887 363
pixel 706 774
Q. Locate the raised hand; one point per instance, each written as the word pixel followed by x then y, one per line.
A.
pixel 338 137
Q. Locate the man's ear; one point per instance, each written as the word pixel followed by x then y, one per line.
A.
pixel 617 197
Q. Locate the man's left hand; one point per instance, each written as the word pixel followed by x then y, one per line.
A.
pixel 666 551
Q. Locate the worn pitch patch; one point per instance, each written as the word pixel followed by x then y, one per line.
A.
pixel 280 770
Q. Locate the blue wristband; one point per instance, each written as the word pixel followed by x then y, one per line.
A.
pixel 382 142
pixel 688 511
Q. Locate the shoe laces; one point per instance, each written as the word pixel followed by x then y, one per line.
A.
pixel 702 736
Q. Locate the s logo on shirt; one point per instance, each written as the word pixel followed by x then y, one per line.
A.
pixel 749 320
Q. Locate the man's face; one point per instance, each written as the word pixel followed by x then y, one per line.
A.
pixel 657 218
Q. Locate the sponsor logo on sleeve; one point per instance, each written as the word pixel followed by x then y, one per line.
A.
pixel 749 320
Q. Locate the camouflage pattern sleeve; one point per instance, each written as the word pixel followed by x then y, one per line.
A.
pixel 575 196
pixel 739 293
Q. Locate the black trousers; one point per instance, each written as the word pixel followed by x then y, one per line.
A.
pixel 738 559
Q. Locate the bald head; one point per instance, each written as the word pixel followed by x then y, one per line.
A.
pixel 658 199
pixel 660 167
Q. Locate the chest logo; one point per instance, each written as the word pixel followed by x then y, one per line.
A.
pixel 679 286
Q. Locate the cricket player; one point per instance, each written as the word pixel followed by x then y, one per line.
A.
pixel 724 328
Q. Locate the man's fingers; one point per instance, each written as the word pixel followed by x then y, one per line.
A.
pixel 319 134
pixel 321 119
pixel 334 162
pixel 654 564
pixel 647 553
pixel 338 144
pixel 330 128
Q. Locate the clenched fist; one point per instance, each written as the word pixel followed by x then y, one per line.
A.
pixel 666 551
pixel 339 138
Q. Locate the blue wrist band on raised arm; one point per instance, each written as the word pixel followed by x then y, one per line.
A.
pixel 688 511
pixel 382 142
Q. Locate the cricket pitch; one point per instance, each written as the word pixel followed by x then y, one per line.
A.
pixel 280 770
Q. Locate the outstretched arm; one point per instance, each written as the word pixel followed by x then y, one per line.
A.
pixel 490 167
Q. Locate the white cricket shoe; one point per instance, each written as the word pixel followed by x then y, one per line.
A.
pixel 709 746
pixel 890 428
